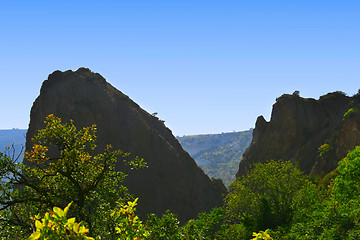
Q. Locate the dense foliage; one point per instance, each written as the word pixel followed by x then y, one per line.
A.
pixel 274 200
pixel 315 213
pixel 265 197
pixel 55 225
pixel 63 169
pixel 338 215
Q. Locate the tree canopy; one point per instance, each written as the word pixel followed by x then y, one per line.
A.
pixel 64 177
pixel 264 197
pixel 63 169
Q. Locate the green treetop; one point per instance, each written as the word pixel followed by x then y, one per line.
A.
pixel 63 169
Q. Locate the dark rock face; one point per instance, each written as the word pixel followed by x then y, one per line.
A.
pixel 172 180
pixel 298 127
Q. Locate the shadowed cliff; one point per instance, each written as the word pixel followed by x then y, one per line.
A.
pixel 172 180
pixel 300 126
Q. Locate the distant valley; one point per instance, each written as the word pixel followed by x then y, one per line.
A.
pixel 218 154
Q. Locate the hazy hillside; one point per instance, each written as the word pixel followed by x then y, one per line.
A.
pixel 12 136
pixel 218 154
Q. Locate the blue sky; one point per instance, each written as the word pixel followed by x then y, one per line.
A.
pixel 204 66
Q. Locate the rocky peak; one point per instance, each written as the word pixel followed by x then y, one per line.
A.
pixel 299 126
pixel 172 180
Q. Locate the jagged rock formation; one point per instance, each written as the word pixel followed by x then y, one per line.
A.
pixel 299 126
pixel 172 180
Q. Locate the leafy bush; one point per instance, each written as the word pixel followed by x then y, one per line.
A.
pixel 264 197
pixel 262 235
pixel 324 150
pixel 55 225
pixel 237 231
pixel 337 217
pixel 128 225
pixel 206 226
pixel 64 169
pixel 164 228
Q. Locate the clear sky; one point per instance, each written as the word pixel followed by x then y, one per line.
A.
pixel 204 66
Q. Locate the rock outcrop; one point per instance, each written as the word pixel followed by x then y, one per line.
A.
pixel 171 181
pixel 299 126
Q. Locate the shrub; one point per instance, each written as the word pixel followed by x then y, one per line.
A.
pixel 264 197
pixel 55 225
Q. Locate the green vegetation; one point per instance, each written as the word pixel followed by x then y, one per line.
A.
pixel 274 200
pixel 352 112
pixel 218 155
pixel 324 150
pixel 128 225
pixel 266 197
pixel 64 169
pixel 262 235
pixel 55 225
pixel 355 110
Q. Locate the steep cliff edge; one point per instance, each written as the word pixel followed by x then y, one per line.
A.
pixel 172 180
pixel 299 126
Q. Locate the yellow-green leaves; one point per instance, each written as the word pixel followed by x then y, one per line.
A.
pixel 55 225
pixel 38 224
pixel 71 221
pixel 34 236
pixel 129 226
pixel 324 150
pixel 58 212
pixel 37 154
pixel 261 235
pixel 66 209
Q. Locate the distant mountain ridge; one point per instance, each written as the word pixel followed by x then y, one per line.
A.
pixel 218 155
pixel 9 137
